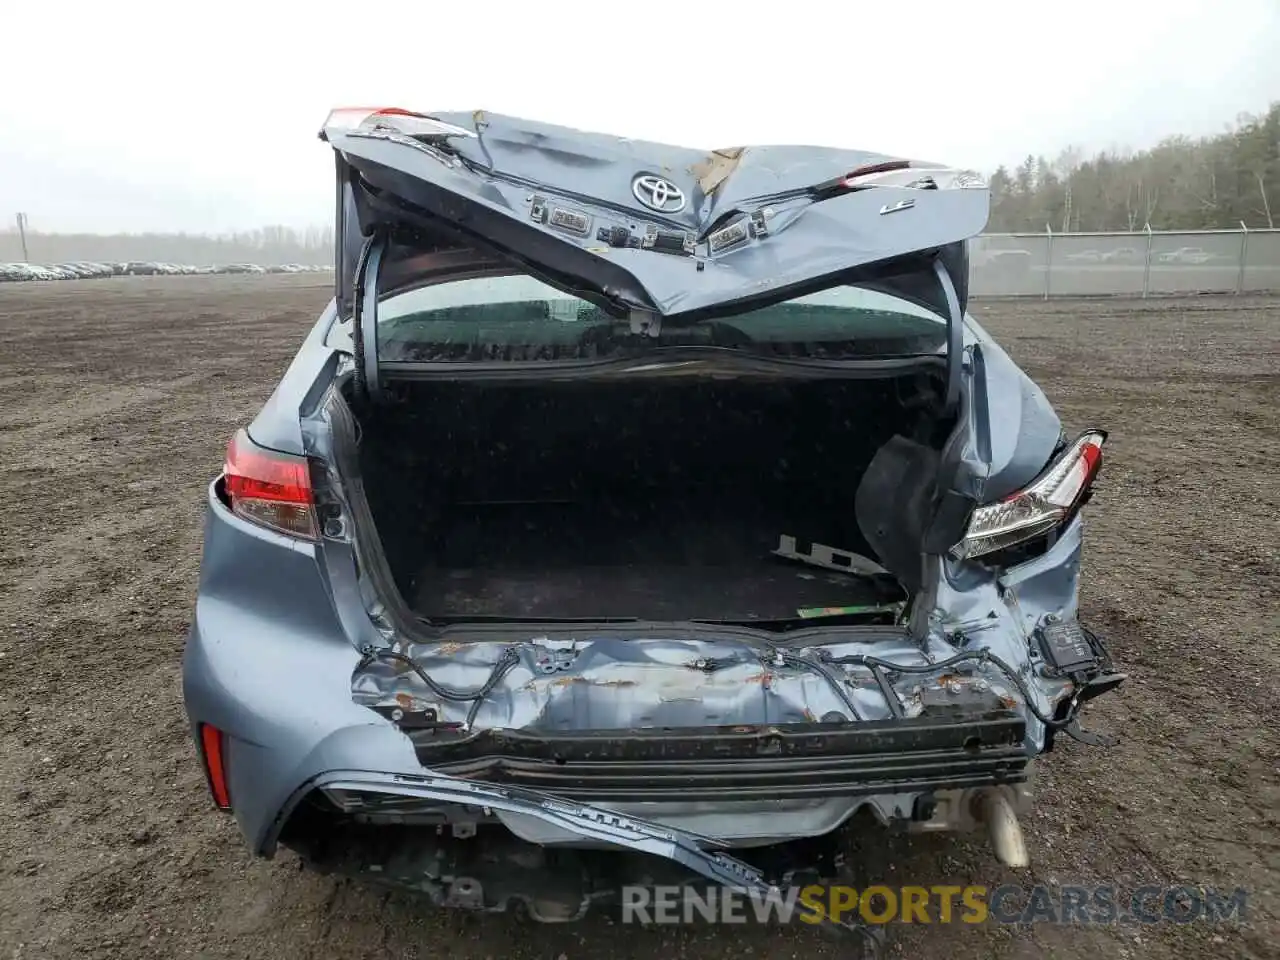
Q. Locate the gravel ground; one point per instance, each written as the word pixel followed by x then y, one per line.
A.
pixel 117 399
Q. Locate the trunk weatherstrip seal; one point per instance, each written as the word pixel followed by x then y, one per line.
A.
pixel 365 319
pixel 955 336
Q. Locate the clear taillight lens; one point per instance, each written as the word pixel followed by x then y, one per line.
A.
pixel 1049 500
pixel 269 488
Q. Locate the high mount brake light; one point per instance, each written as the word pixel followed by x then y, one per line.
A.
pixel 406 122
pixel 861 176
pixel 855 176
pixel 268 488
pixel 1050 499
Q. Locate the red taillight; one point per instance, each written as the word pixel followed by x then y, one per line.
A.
pixel 269 488
pixel 214 767
pixel 1091 454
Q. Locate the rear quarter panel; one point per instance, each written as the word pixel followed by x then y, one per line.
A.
pixel 1014 429
pixel 276 426
pixel 267 661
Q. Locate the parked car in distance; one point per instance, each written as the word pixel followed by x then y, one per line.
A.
pixel 989 254
pixel 14 272
pixel 1084 256
pixel 1194 255
pixel 86 269
pixel 1122 255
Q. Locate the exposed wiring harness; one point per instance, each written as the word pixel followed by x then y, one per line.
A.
pixel 504 663
pixel 819 666
pixel 1104 654
pixel 969 656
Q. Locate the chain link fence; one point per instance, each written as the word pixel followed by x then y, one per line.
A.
pixel 1147 264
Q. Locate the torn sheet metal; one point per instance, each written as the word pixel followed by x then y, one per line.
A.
pixel 476 194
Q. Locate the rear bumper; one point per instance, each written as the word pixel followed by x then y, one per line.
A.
pixel 798 761
pixel 289 740
pixel 270 662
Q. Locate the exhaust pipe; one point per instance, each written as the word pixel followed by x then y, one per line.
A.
pixel 992 807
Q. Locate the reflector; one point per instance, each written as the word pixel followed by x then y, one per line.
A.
pixel 214 768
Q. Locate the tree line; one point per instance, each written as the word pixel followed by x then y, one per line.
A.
pixel 1182 183
pixel 265 246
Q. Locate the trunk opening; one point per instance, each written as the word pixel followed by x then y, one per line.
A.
pixel 653 499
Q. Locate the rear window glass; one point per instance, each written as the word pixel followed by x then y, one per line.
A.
pixel 519 318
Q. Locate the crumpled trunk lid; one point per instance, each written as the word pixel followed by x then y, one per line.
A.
pixel 639 226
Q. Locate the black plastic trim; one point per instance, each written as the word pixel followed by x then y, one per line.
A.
pixel 742 763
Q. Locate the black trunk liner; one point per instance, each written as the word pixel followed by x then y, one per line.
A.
pixel 683 560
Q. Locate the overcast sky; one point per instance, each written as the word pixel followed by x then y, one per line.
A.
pixel 203 117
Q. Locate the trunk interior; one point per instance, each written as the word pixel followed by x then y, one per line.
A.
pixel 649 499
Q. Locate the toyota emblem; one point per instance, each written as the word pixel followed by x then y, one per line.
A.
pixel 658 193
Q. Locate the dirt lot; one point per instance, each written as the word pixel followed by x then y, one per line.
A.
pixel 116 401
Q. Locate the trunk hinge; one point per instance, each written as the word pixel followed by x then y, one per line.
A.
pixel 955 337
pixel 364 316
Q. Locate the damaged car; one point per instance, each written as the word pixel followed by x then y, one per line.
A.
pixel 633 508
